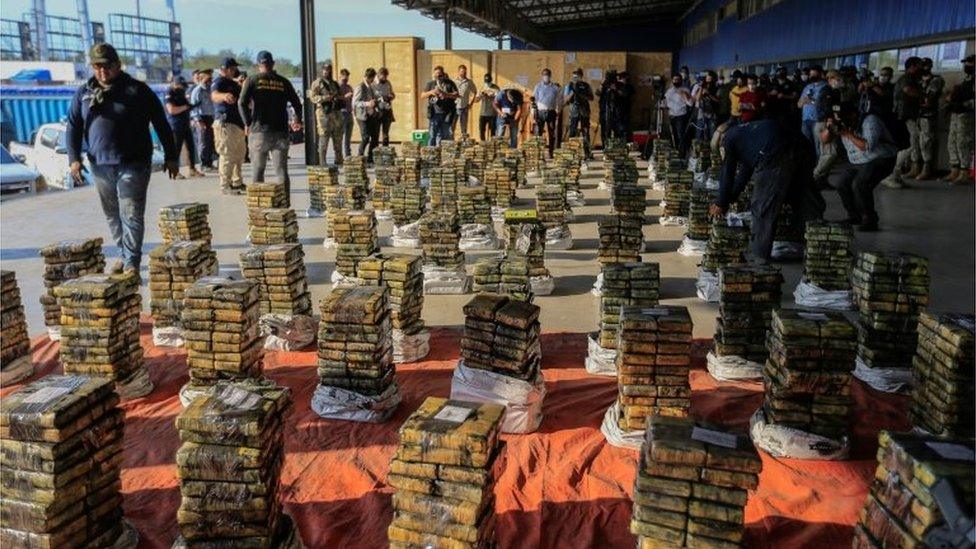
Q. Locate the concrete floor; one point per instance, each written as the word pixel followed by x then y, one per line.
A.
pixel 931 219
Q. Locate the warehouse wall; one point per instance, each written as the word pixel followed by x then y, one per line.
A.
pixel 797 29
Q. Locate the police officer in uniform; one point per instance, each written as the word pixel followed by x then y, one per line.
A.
pixel 328 101
pixel 932 86
pixel 578 95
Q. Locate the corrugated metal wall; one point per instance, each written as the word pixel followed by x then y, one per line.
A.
pixel 798 29
pixel 28 113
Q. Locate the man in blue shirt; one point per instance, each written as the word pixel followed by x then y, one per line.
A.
pixel 548 101
pixel 202 117
pixel 812 125
pixel 108 121
pixel 178 114
pixel 508 107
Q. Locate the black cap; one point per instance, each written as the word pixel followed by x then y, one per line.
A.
pixel 228 62
pixel 179 80
pixel 103 54
pixel 265 58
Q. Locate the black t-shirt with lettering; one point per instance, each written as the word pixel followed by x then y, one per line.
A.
pixel 264 102
pixel 227 112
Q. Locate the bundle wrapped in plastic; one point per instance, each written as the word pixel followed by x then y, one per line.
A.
pixel 386 180
pixel 501 180
pixel 693 482
pixel 100 330
pixel 15 355
pixel 408 201
pixel 354 173
pixel 526 237
pixel 502 335
pixel 534 151
pixel 279 271
pixel 515 161
pixel 355 356
pixel 727 244
pixel 943 393
pixel 677 193
pixel 444 473
pixel 503 275
pixel 229 467
pixel 384 156
pixel 319 179
pixel 625 284
pixel 61 446
pixel 621 239
pixel 185 221
pixel 618 171
pixel 262 195
pixel 440 237
pixel 660 160
pixel 339 198
pixel 173 268
pixel 827 261
pixel 701 156
pixel 63 261
pixel 355 235
pixel 748 296
pixel 569 160
pixel 272 225
pixel 699 225
pixel 430 158
pixel 402 274
pixel 444 182
pixel 450 149
pixel 476 155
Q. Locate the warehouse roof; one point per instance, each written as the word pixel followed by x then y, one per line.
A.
pixel 531 21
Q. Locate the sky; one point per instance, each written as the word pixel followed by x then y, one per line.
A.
pixel 269 24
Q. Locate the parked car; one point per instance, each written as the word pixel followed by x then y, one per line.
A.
pixel 47 153
pixel 14 176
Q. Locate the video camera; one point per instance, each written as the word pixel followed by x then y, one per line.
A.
pixel 657 82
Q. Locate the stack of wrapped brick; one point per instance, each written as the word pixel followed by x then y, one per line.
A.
pixel 339 199
pixel 64 261
pixel 403 275
pixel 525 237
pixel 829 255
pixel 229 468
pixel 279 270
pixel 357 379
pixel 748 296
pixel 570 161
pixel 62 460
pixel 503 275
pixel 443 188
pixel 621 239
pixel 477 157
pixel 534 151
pixel 660 159
pixel 320 179
pixel 628 201
pixel 701 156
pixel 266 195
pixel 220 322
pixel 440 238
pixel 387 178
pixel 15 352
pixel 699 221
pixel 408 202
pixel 430 158
pixel 788 240
pixel 501 335
pixel 943 392
pixel 514 159
pixel 172 269
pixel 473 205
pixel 186 221
pixel 727 246
pixel 354 173
pixel 384 155
pixel 355 235
pixel 408 149
pixel 550 202
pixel 408 168
pixel 272 225
pixel 100 330
pixel 450 149
pixel 677 191
pixel 445 467
pixel 693 481
pixel 620 171
pixel 625 284
pixel 500 181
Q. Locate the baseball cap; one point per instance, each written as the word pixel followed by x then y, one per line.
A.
pixel 103 53
pixel 228 62
pixel 265 57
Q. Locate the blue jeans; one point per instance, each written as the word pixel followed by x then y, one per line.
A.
pixel 706 127
pixel 512 130
pixel 440 128
pixel 122 192
pixel 810 133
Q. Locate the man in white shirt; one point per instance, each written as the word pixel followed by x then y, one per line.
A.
pixel 548 100
pixel 679 102
pixel 467 93
pixel 383 90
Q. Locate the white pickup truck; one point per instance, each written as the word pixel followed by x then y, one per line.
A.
pixel 47 154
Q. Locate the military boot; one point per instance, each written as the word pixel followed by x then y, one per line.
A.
pixel 916 169
pixel 953 173
pixel 926 173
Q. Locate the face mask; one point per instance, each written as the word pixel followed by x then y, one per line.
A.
pixel 804 78
pixel 834 84
pixel 545 79
pixel 344 80
pixel 884 79
pixel 576 78
pixel 487 80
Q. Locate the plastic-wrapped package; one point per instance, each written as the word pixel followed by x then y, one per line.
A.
pixel 617 436
pixel 15 359
pixel 478 236
pixel 272 225
pixel 503 275
pixel 356 238
pixel 808 294
pixel 64 261
pixel 287 332
pixel 522 399
pixel 748 296
pixel 943 398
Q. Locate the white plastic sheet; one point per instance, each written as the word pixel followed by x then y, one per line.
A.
pixel 287 332
pixel 600 361
pixel 17 370
pixel 340 280
pixel 328 243
pixel 54 333
pixel 542 285
pixel 615 435
pixel 692 248
pixel 575 199
pixel 522 399
pixel 706 287
pixel 738 219
pixel 732 368
pixel 598 286
pixel 383 215
pixel 337 403
pixel 311 213
pixel 410 348
pixel 478 236
pixel 808 294
pixel 711 184
pixel 441 280
pixel 692 164
pixel 559 238
pixel 135 386
pixel 406 236
pixel 886 380
pixel 782 441
pixel 169 336
pixel 673 220
pixel 786 250
pixel 190 392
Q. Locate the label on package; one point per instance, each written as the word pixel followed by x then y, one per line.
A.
pixel 453 414
pixel 718 438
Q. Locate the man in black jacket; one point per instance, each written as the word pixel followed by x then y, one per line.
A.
pixel 108 121
pixel 264 102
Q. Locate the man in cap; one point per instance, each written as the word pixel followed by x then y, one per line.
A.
pixel 225 92
pixel 932 88
pixel 327 98
pixel 264 102
pixel 111 114
pixel 961 122
pixel 202 117
pixel 178 114
pixel 365 103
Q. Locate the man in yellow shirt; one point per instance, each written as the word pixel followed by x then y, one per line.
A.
pixel 735 93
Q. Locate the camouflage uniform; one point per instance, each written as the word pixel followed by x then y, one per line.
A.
pixel 327 98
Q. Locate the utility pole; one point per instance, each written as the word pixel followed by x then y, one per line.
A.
pixel 86 30
pixel 307 21
pixel 447 29
pixel 39 13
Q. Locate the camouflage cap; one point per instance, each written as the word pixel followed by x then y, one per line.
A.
pixel 103 53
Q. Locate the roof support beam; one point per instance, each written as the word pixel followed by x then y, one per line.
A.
pixel 490 18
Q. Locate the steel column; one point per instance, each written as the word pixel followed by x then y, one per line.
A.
pixel 307 21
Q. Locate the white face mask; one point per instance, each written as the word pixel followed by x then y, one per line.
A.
pixel 575 78
pixel 804 77
pixel 545 79
pixel 835 84
pixel 884 79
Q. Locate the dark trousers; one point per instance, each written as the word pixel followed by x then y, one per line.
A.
pixel 184 135
pixel 386 120
pixel 547 120
pixel 273 144
pixel 579 125
pixel 369 135
pixel 855 184
pixel 788 178
pixel 204 134
pixel 679 133
pixel 486 126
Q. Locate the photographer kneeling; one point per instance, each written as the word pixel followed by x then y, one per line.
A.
pixel 871 152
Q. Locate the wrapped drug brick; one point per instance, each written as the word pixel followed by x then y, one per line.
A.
pixel 621 239
pixel 619 171
pixel 450 149
pixel 61 447
pixel 355 235
pixel 285 302
pixel 661 153
pixel 403 275
pixel 699 225
pixel 384 156
pixel 100 330
pixel 501 179
pixel 514 159
pixel 443 188
pixel 266 195
pixel 788 240
pixel 701 156
pixel 64 261
pixel 921 495
pixel 525 237
pixel 320 178
pixel 943 389
pixel 444 473
pixel 748 295
pixel 185 221
pixel 890 290
pixel 570 161
pixel 534 151
pixel 550 203
pixel 172 269
pixel 693 482
pixel 408 149
pixel 677 194
pixel 653 360
pixel 727 245
pixel 628 201
pixel 355 357
pixel 354 173
pixel 220 323
pixel 474 213
pixel 503 275
pixel 408 168
pixel 461 167
pixel 386 179
pixel 430 158
pixel 339 199
pixel 440 237
pixel 15 352
pixel 476 155
pixel 501 360
pixel 828 258
pixel 409 202
pixel 229 467
pixel 621 285
pixel 807 382
pixel 496 147
pixel 272 226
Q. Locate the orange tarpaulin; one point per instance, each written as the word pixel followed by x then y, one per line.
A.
pixel 563 486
